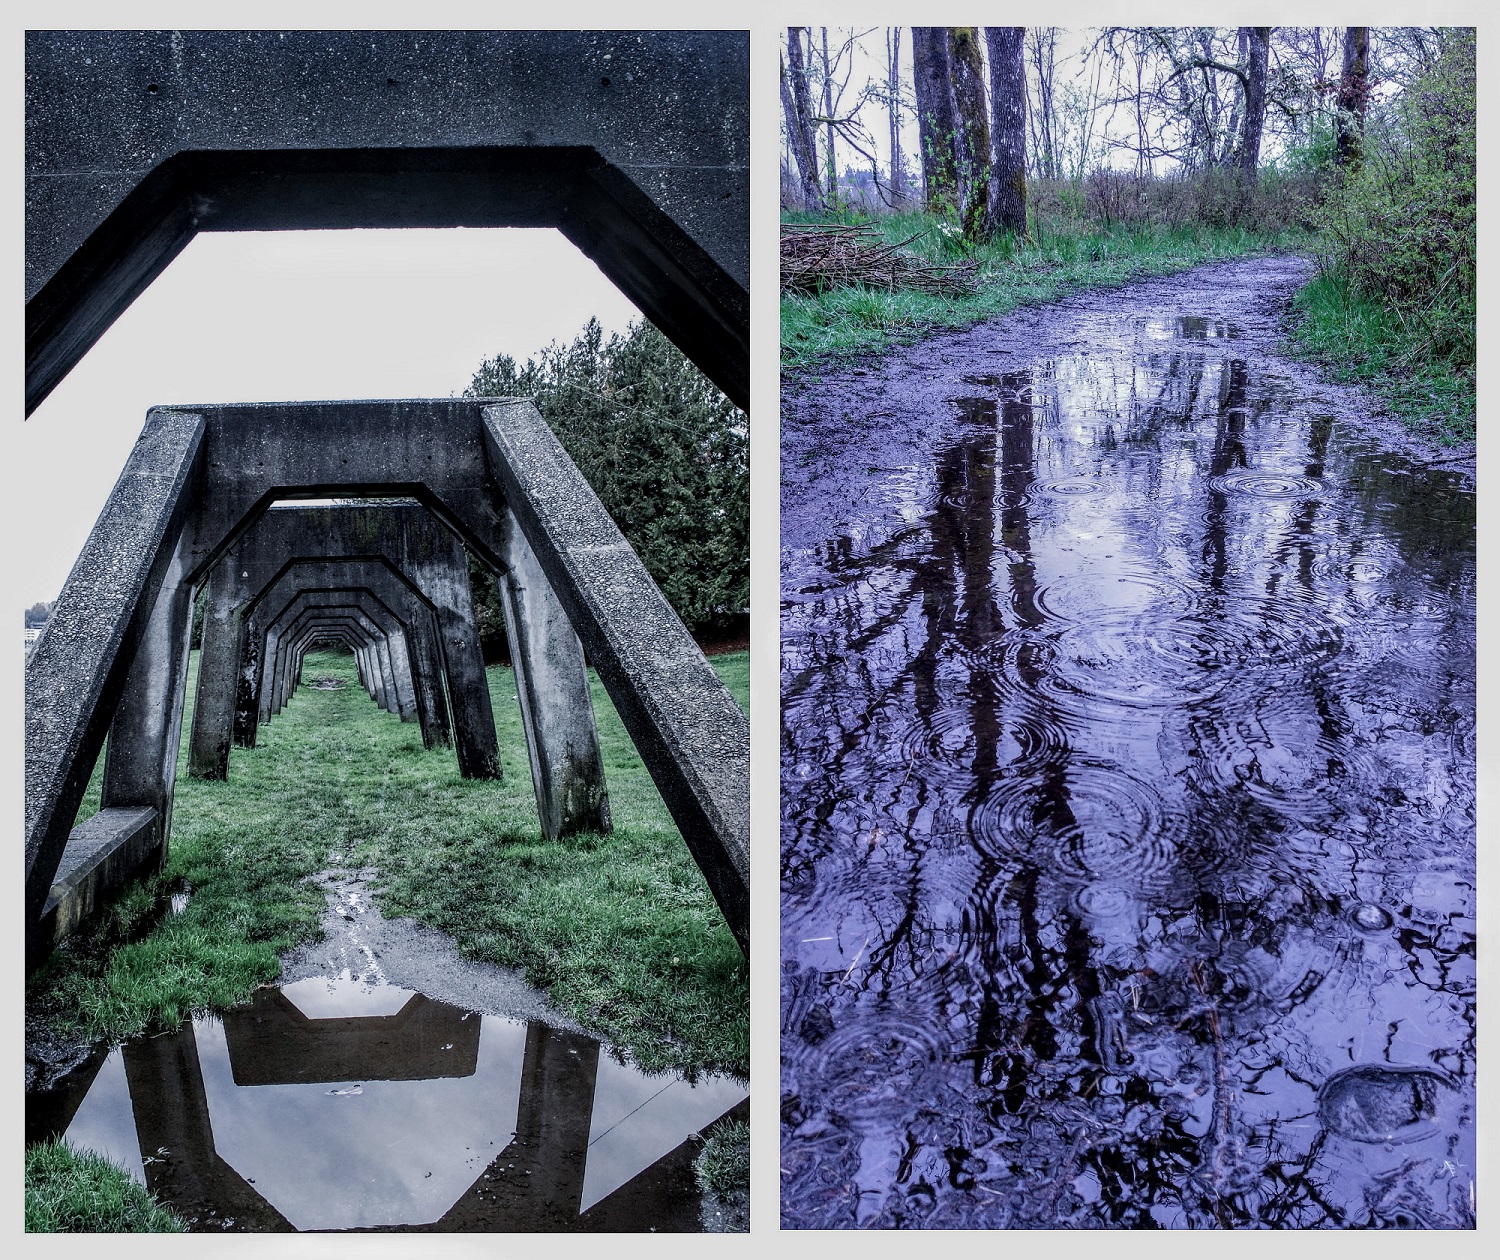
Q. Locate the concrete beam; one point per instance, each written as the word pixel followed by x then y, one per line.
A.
pixel 102 853
pixel 634 144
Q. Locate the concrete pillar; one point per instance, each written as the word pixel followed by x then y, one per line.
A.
pixel 690 732
pixel 567 770
pixel 218 673
pixel 140 764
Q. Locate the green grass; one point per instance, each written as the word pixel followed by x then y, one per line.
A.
pixel 723 1165
pixel 1358 340
pixel 849 323
pixel 70 1191
pixel 620 929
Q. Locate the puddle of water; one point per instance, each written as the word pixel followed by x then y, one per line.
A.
pixel 331 1104
pixel 1128 804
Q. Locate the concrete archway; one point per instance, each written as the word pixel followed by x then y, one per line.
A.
pixel 635 145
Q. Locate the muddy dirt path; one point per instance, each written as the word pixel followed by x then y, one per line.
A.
pixel 1127 782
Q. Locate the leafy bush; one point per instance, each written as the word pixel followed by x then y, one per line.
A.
pixel 1400 228
pixel 664 450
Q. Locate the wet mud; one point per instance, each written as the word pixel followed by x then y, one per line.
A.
pixel 345 1099
pixel 1127 782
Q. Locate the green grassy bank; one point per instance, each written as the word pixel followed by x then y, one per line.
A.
pixel 78 1192
pixel 620 929
pixel 1357 339
pixel 1065 254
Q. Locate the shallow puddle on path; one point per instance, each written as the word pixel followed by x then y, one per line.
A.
pixel 1128 797
pixel 338 1105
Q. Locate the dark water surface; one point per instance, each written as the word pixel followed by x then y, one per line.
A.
pixel 338 1105
pixel 1128 785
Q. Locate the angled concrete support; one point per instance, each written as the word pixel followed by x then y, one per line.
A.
pixel 140 763
pixel 218 678
pixel 693 737
pixel 567 768
pixel 78 669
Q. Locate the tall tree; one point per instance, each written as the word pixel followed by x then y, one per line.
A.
pixel 662 447
pixel 893 113
pixel 1257 40
pixel 937 114
pixel 967 64
pixel 1354 92
pixel 796 103
pixel 831 170
pixel 1041 49
pixel 1007 190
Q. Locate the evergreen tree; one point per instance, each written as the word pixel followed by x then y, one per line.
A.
pixel 666 452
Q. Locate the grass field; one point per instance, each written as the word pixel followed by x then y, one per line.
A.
pixel 620 929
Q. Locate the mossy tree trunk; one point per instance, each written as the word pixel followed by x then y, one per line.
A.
pixel 1006 210
pixel 973 128
pixel 1354 92
pixel 796 103
pixel 1258 50
pixel 937 115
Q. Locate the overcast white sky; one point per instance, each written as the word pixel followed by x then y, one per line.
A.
pixel 284 316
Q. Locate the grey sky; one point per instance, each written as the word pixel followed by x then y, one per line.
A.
pixel 282 316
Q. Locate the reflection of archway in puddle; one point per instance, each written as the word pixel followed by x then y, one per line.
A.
pixel 369 1153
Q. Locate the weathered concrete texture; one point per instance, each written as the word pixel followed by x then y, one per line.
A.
pixel 78 668
pixel 140 764
pixel 102 852
pixel 692 735
pixel 634 144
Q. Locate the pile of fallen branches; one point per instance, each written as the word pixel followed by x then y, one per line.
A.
pixel 815 258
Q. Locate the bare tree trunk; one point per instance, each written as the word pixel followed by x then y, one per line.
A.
pixel 937 115
pixel 832 169
pixel 1212 109
pixel 967 64
pixel 1354 93
pixel 1042 43
pixel 1007 191
pixel 797 105
pixel 893 110
pixel 1259 39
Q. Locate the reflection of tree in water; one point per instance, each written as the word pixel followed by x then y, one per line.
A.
pixel 1091 1080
